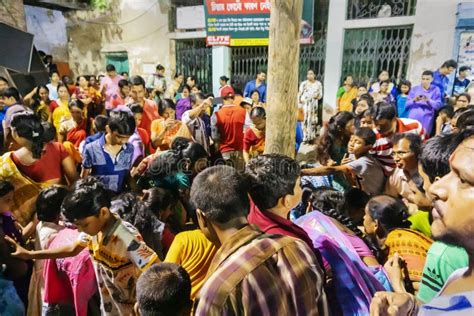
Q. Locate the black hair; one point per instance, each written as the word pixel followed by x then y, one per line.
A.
pixel 333 203
pixel 435 155
pixel 253 91
pixel 414 139
pixel 160 67
pixel 100 122
pixel 448 110
pixel 336 125
pixel 83 76
pixel 361 84
pixel 109 68
pixel 347 76
pixel 367 112
pixel 368 98
pixel 158 199
pixel 182 157
pixel 136 108
pixel 53 72
pixel 466 95
pixel 4 80
pixel 356 200
pixel 123 83
pixel 179 143
pixel 383 110
pixel 5 188
pixel 37 99
pixel 122 121
pixel 41 86
pixel 141 215
pixel 427 73
pixel 61 85
pixel 164 164
pixel 12 92
pixel 464 68
pixel 271 177
pixel 163 289
pixel 63 77
pixel 165 104
pixel 49 132
pixel 192 77
pixel 449 63
pixel 404 82
pixel 48 203
pixel 389 211
pixel 466 120
pixel 224 78
pixel 385 81
pixel 185 86
pixel 28 125
pixel 366 134
pixel 123 73
pixel 137 81
pixel 232 200
pixel 177 74
pixel 76 103
pixel 258 111
pixel 86 198
pixel 193 151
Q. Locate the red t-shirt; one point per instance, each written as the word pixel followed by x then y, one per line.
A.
pixel 48 167
pixel 230 122
pixel 150 113
pixel 144 136
pixel 252 141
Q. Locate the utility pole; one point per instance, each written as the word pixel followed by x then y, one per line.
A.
pixel 282 90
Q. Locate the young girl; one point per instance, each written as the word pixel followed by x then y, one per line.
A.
pixel 404 88
pixel 38 100
pixel 53 86
pixel 48 207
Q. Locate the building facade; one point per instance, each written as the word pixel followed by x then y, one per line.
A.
pixel 357 37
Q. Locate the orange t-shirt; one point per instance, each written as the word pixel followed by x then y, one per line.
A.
pixel 157 126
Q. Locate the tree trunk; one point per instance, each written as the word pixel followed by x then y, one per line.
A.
pixel 282 90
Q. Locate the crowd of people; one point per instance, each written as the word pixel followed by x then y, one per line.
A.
pixel 144 196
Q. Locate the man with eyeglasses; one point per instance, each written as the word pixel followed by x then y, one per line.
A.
pixel 453 223
pixel 405 181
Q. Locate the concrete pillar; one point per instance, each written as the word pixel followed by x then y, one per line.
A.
pixel 334 52
pixel 221 65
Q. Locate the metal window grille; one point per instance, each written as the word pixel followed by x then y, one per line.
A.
pixel 194 58
pixel 369 51
pixel 366 9
pixel 246 62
